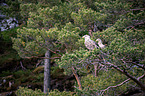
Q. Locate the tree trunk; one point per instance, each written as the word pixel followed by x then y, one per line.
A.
pixel 96 70
pixel 47 72
pixel 77 78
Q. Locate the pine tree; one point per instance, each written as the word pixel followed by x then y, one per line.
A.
pixel 58 27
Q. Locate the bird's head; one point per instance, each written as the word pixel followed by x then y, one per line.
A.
pixel 98 40
pixel 86 36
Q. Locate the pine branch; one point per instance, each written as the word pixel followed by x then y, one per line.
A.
pixel 136 24
pixel 43 45
pixel 41 57
pixel 139 65
pixel 77 78
pixel 128 75
pixel 114 86
pixel 141 77
pixel 137 9
pixel 120 84
pixel 39 61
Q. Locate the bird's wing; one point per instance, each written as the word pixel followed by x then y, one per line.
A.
pixel 90 44
pixel 96 45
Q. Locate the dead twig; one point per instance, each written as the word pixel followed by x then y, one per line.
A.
pixel 41 57
pixel 120 84
pixel 114 86
pixel 22 66
pixel 39 62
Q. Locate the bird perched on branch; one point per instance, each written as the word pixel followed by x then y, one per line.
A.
pixel 90 44
pixel 100 43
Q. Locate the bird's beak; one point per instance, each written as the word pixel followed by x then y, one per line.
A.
pixel 97 41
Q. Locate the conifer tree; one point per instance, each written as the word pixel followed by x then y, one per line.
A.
pixel 58 27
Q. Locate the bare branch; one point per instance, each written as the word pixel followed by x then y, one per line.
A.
pixel 132 26
pixel 42 57
pixel 128 75
pixel 39 61
pixel 115 85
pixel 120 84
pixel 40 44
pixel 137 9
pixel 139 65
pixel 77 78
pixel 141 77
pixel 47 48
pixel 22 66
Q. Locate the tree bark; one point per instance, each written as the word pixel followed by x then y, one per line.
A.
pixel 77 78
pixel 96 73
pixel 47 72
pixel 96 68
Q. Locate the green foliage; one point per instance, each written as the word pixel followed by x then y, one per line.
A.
pixel 27 77
pixel 48 17
pixel 21 73
pixel 56 72
pixel 58 93
pixel 31 7
pixel 126 44
pixel 69 36
pixel 94 85
pixel 84 18
pixel 9 56
pixel 34 42
pixel 113 12
pixel 20 78
pixel 22 91
pixel 11 9
pixel 59 27
pixel 28 92
pixel 38 69
pixel 5 73
pixel 26 41
pixel 75 60
pixel 79 59
pixel 45 17
pixel 51 2
pixel 135 36
pixel 123 23
pixel 108 35
pixel 26 8
pixel 6 35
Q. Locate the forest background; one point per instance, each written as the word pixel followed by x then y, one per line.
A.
pixel 57 26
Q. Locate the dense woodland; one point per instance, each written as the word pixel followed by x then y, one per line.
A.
pixel 57 27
